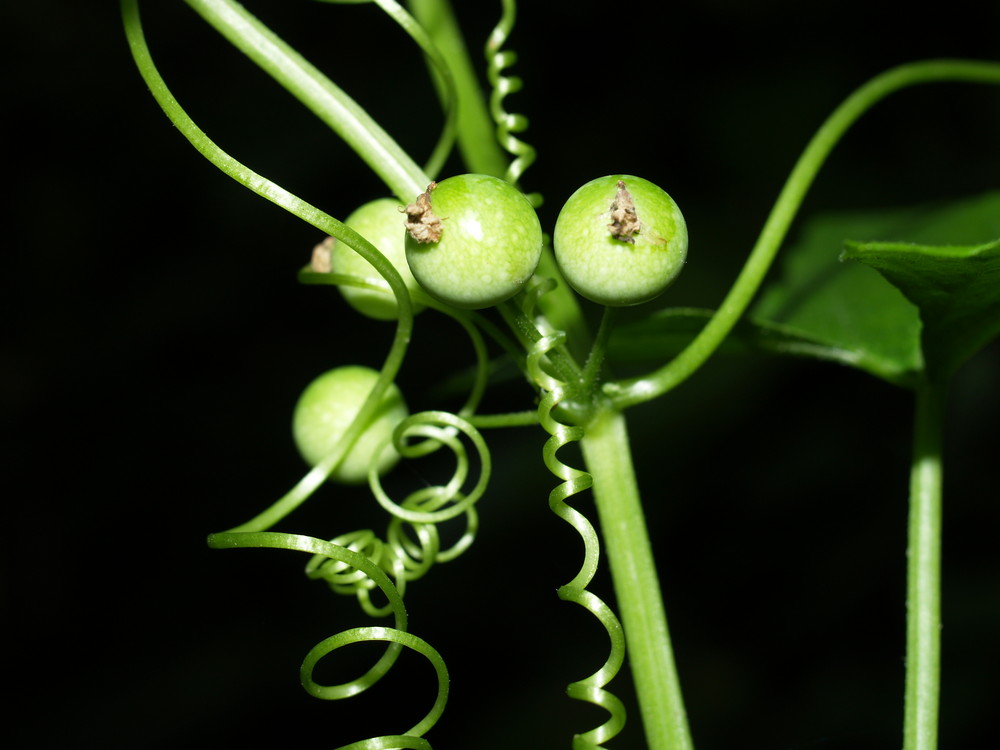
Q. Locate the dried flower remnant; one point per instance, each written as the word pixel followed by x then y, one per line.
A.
pixel 320 262
pixel 421 222
pixel 624 221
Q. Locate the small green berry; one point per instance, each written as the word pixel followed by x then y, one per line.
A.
pixel 620 240
pixel 473 240
pixel 326 409
pixel 380 223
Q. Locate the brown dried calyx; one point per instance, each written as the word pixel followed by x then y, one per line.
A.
pixel 321 256
pixel 624 221
pixel 421 222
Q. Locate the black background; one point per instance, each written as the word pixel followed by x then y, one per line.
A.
pixel 155 340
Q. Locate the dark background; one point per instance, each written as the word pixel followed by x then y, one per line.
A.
pixel 155 340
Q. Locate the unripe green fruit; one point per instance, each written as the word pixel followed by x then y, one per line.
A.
pixel 381 223
pixel 620 240
pixel 326 409
pixel 473 240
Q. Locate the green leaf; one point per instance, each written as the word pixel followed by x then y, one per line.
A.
pixel 668 331
pixel 849 312
pixel 852 307
pixel 955 288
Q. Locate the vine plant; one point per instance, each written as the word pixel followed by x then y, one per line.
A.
pixel 468 242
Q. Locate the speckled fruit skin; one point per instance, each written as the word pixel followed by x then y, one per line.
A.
pixel 611 271
pixel 325 410
pixel 490 243
pixel 381 223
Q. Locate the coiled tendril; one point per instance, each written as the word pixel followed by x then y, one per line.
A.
pixel 397 637
pixel 359 562
pixel 589 689
pixel 412 542
pixel 508 123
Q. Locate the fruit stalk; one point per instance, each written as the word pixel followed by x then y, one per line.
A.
pixel 633 570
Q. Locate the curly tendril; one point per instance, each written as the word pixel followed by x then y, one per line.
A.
pixel 440 503
pixel 412 543
pixel 589 689
pixel 396 637
pixel 508 123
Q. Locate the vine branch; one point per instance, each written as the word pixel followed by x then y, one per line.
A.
pixel 633 391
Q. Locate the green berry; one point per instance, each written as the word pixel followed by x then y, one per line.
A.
pixel 326 409
pixel 381 223
pixel 620 240
pixel 473 240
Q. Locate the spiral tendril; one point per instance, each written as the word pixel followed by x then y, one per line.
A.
pixel 411 547
pixel 412 543
pixel 359 562
pixel 508 123
pixel 589 689
pixel 351 561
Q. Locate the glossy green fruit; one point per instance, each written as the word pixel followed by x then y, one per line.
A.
pixel 473 240
pixel 382 224
pixel 326 409
pixel 620 240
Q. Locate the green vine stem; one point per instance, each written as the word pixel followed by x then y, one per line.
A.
pixel 595 360
pixel 923 596
pixel 308 213
pixel 524 327
pixel 606 452
pixel 307 84
pixel 637 390
pixel 476 137
pixel 442 79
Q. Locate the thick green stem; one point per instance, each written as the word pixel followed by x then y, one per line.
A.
pixel 476 129
pixel 307 84
pixel 923 606
pixel 637 589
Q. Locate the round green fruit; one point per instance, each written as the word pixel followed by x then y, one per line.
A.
pixel 620 240
pixel 472 240
pixel 326 409
pixel 381 223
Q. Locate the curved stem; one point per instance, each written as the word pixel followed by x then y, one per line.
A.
pixel 636 390
pixel 566 368
pixel 561 306
pixel 310 214
pixel 251 179
pixel 637 588
pixel 443 80
pixel 923 601
pixel 476 130
pixel 327 101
